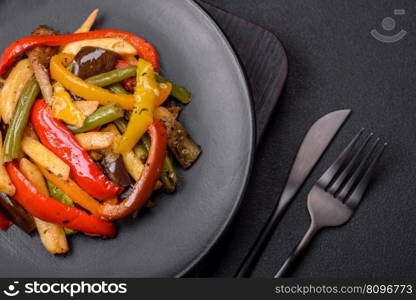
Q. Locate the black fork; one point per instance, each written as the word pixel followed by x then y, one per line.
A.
pixel 336 195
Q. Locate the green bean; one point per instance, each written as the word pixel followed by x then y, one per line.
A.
pixel 146 142
pixel 117 88
pixel 113 76
pixel 178 92
pixel 69 231
pixel 70 67
pixel 168 175
pixel 121 125
pixel 140 151
pixel 101 116
pixel 59 195
pixel 17 126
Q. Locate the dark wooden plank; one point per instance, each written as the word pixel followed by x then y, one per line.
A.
pixel 263 57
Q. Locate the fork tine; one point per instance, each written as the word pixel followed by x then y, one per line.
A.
pixel 329 174
pixel 357 173
pixel 334 187
pixel 358 193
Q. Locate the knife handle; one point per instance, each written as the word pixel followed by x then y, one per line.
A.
pixel 264 236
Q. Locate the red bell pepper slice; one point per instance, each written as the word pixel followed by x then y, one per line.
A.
pixel 143 188
pixel 144 49
pixel 4 222
pixel 55 136
pixel 122 64
pixel 50 210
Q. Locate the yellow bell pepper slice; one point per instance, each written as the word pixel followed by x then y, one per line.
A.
pixel 64 108
pixel 145 95
pixel 164 92
pixel 84 89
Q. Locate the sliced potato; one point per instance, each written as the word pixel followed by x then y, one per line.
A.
pixel 45 158
pixel 87 25
pixel 117 45
pixel 52 235
pixel 133 164
pixel 117 136
pixel 87 107
pixel 6 186
pixel 33 174
pixel 95 140
pixel 12 89
pixel 89 22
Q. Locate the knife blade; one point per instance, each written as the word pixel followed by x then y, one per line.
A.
pixel 313 146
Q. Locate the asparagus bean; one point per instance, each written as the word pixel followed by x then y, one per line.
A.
pixel 101 116
pixel 21 117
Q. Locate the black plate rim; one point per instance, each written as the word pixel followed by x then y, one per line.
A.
pixel 252 137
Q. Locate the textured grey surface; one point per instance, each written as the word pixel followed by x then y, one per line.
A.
pixel 334 63
pixel 166 240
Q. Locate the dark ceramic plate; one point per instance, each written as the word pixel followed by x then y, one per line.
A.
pixel 170 239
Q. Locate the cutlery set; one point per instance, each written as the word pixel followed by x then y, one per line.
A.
pixel 334 198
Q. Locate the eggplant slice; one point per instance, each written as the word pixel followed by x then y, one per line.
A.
pixel 91 61
pixel 16 213
pixel 183 147
pixel 114 168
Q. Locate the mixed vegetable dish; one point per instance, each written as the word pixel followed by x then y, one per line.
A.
pixel 89 132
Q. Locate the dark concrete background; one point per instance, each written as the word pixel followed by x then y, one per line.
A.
pixel 334 63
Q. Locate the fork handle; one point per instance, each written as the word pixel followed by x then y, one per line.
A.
pixel 297 251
